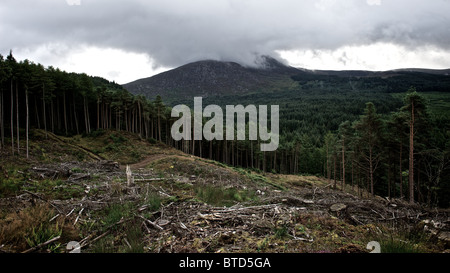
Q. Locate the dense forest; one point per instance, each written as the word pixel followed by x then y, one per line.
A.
pixel 371 141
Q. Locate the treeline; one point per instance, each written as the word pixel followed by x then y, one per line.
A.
pixel 371 151
pixel 32 96
pixel 382 81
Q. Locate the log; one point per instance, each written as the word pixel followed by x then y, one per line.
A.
pixel 148 179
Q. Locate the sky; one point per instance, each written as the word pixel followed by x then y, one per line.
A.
pixel 130 39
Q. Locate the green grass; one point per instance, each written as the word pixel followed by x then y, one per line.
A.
pixel 42 234
pixel 154 201
pixel 398 246
pixel 55 189
pixel 218 196
pixel 116 212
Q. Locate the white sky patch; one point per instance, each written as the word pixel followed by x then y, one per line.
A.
pixel 375 57
pixel 73 2
pixel 374 2
pixel 111 64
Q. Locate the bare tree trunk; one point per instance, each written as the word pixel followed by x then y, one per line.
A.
pixel 371 171
pixel 343 165
pixel 2 127
pixel 335 162
pixel 86 116
pixel 210 150
pixel 353 185
pixel 75 116
pixel 65 113
pixel 12 118
pixel 328 166
pixel 28 118
pixel 252 156
pixel 411 155
pixel 159 125
pixel 401 172
pixel 98 113
pixel 52 115
pixel 43 106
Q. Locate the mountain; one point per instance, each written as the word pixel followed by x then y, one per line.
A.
pixel 217 79
pixel 207 78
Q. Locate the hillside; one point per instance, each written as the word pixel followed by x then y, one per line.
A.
pixel 213 78
pixel 75 189
pixel 217 80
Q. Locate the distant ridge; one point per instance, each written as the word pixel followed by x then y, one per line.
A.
pixel 212 78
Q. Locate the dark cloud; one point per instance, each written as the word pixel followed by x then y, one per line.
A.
pixel 176 32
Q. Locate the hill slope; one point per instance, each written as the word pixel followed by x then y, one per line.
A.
pixel 212 78
pixel 215 79
pixel 182 203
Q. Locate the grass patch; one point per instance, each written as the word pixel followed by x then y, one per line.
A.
pixel 392 245
pixel 218 196
pixel 9 187
pixel 55 189
pixel 32 226
pixel 42 234
pixel 153 201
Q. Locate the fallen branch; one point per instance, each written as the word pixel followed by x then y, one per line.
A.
pixel 384 218
pixel 74 178
pixel 86 241
pixel 43 199
pixel 153 224
pixel 148 179
pixel 301 239
pixel 42 245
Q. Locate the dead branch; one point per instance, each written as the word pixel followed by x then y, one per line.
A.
pixel 42 245
pixel 43 199
pixel 148 179
pixel 153 224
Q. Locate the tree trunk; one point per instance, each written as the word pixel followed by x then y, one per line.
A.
pixel 411 155
pixel 28 118
pixel 328 166
pixel 371 171
pixel 353 185
pixel 75 116
pixel 159 125
pixel 98 113
pixel 335 162
pixel 86 116
pixel 2 127
pixel 43 107
pixel 401 172
pixel 12 118
pixel 65 113
pixel 343 164
pixel 52 116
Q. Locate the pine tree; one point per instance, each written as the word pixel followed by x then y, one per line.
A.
pixel 416 108
pixel 368 129
pixel 345 134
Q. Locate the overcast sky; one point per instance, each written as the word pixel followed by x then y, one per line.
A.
pixel 130 39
